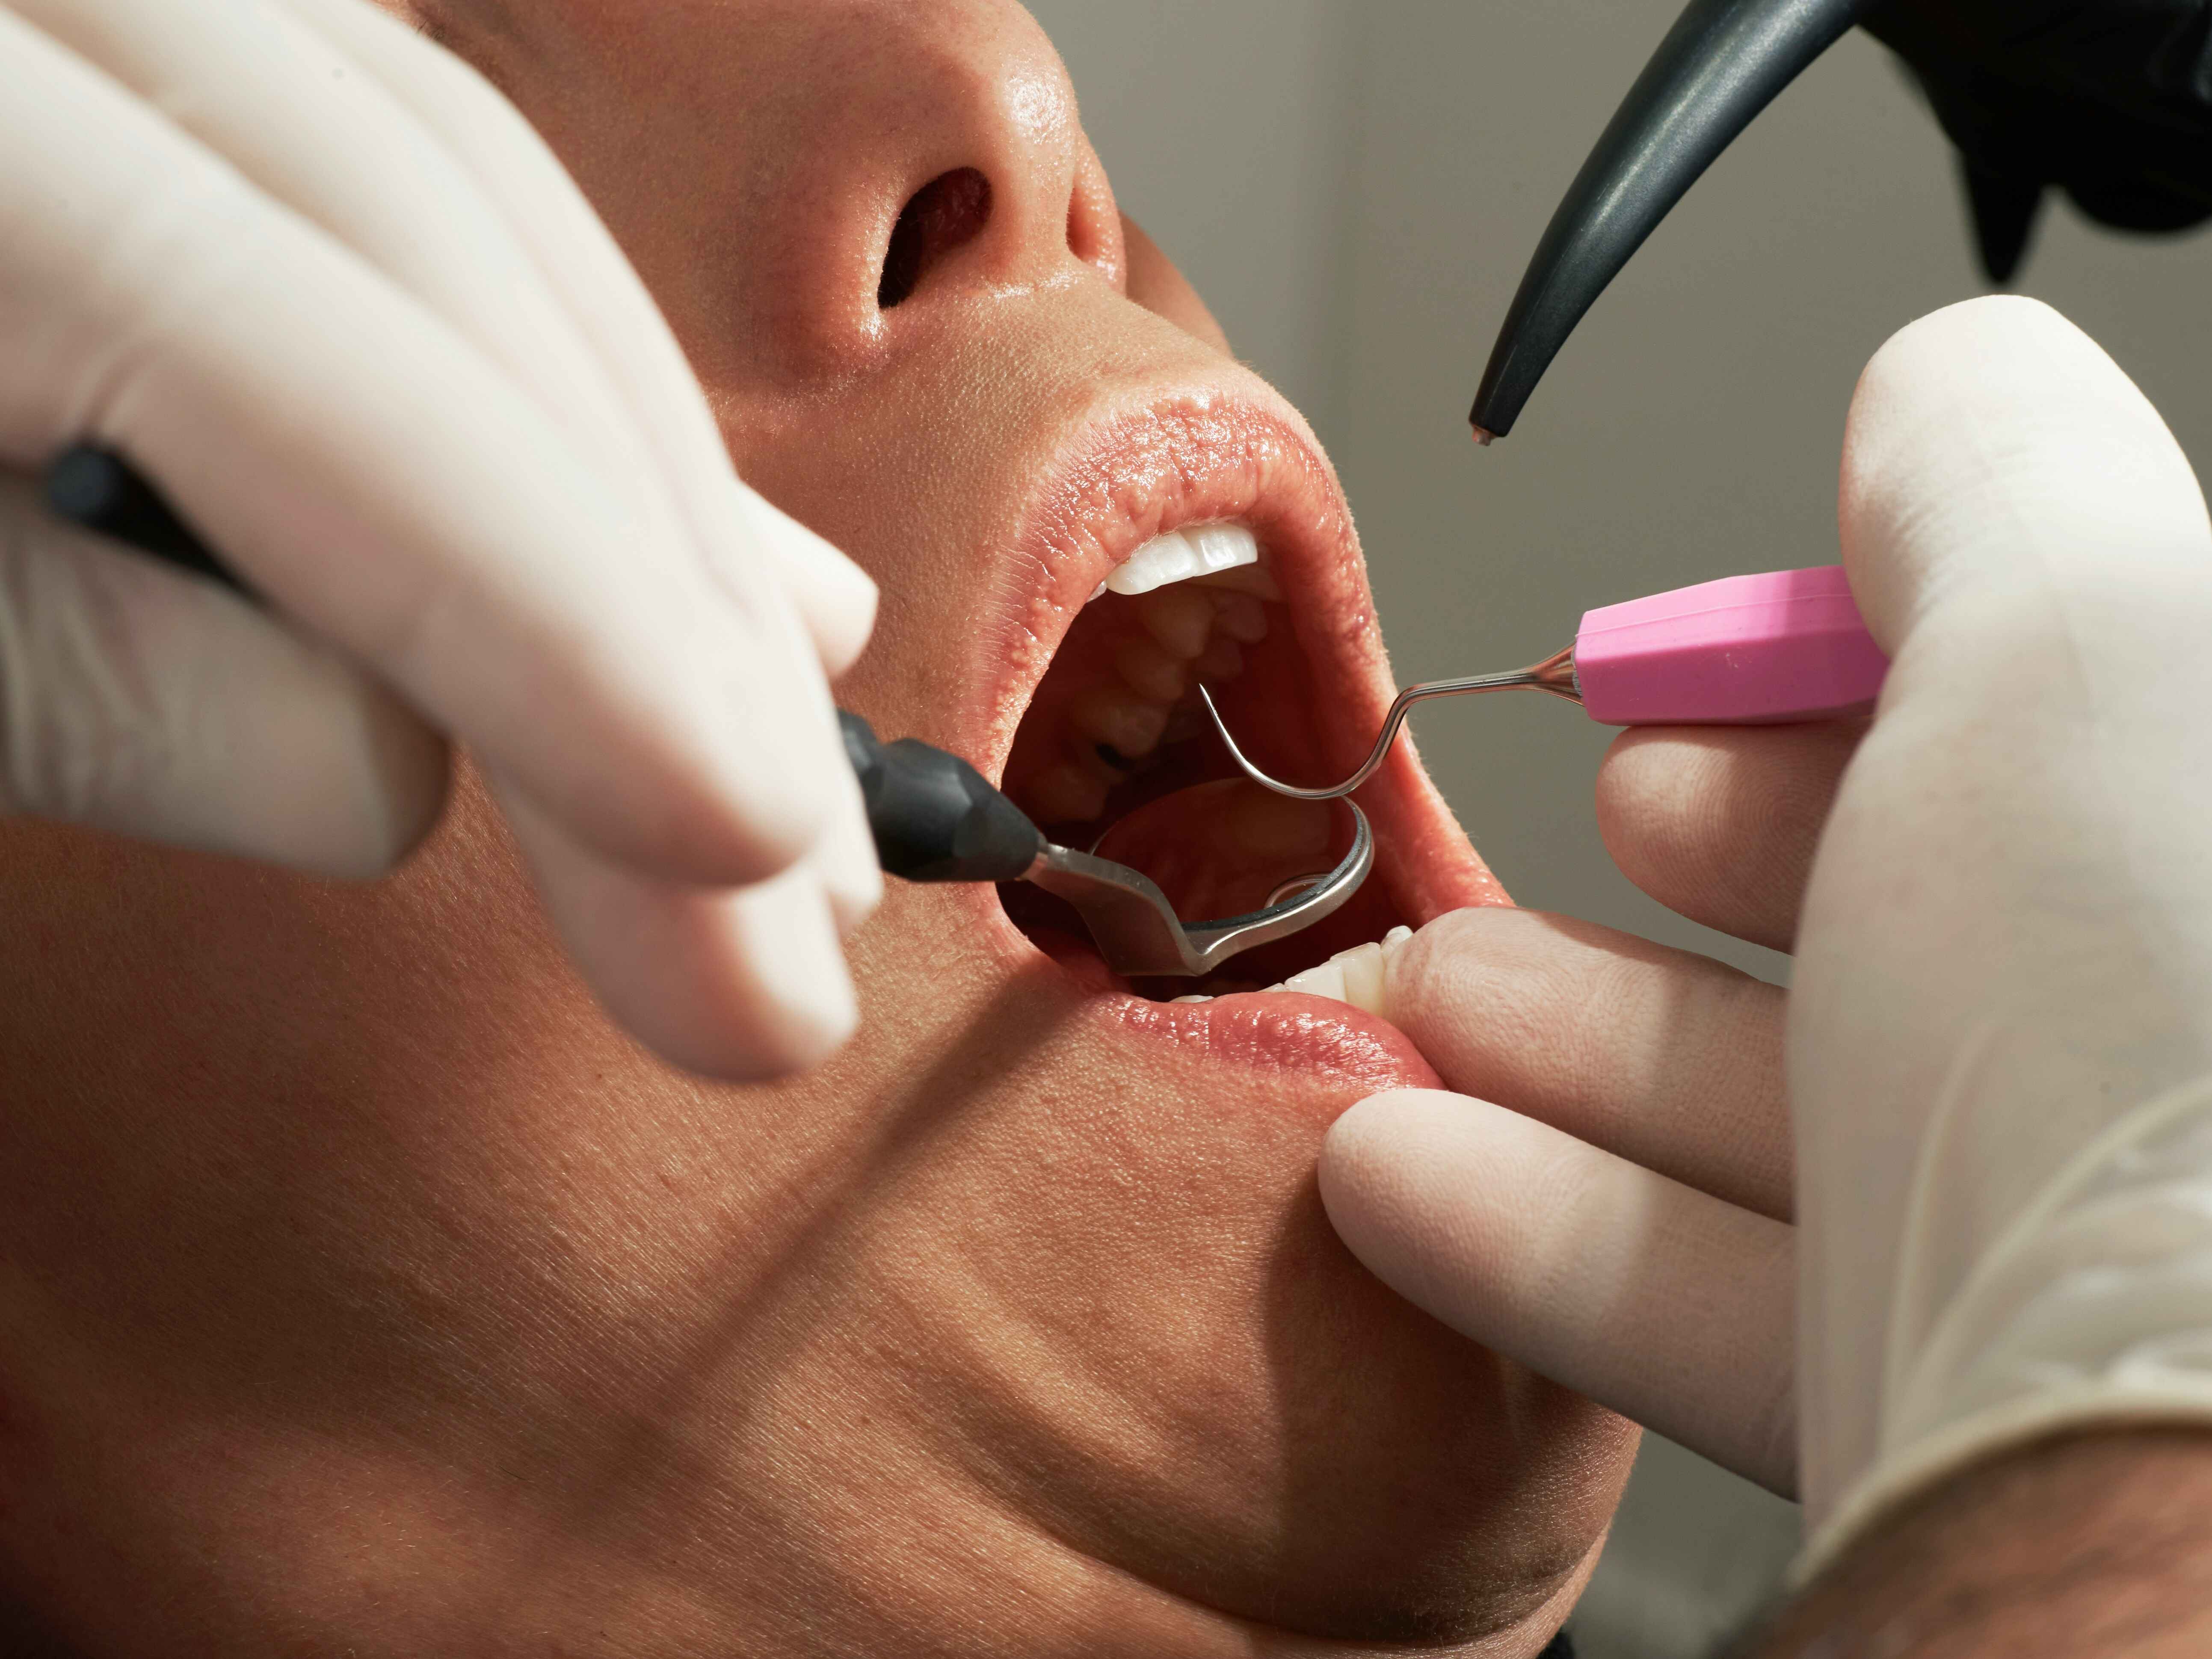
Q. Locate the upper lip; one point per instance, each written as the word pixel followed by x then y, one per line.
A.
pixel 1141 465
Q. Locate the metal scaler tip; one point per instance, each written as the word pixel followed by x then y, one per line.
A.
pixel 1765 648
pixel 1555 675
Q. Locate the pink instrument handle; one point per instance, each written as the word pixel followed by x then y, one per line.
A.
pixel 1760 650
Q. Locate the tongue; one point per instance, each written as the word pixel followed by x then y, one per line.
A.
pixel 1221 849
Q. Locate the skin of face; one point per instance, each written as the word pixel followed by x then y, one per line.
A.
pixel 363 1291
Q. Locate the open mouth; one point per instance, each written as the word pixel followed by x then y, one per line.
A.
pixel 1114 752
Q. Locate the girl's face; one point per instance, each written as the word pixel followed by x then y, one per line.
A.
pixel 362 1290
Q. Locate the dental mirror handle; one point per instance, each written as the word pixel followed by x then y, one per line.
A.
pixel 1722 63
pixel 933 816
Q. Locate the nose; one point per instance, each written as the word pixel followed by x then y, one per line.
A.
pixel 943 170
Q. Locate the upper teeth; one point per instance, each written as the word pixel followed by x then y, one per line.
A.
pixel 1200 551
pixel 1197 598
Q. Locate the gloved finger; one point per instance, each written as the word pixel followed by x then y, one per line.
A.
pixel 741 984
pixel 1670 1306
pixel 1670 1060
pixel 578 257
pixel 144 701
pixel 281 104
pixel 433 519
pixel 836 599
pixel 292 115
pixel 2002 477
pixel 1719 823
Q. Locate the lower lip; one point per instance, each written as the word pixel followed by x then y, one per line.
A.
pixel 1282 1031
pixel 1317 1037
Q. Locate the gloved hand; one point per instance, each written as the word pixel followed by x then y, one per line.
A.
pixel 2110 101
pixel 2000 1036
pixel 326 290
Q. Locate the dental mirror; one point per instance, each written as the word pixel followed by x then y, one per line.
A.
pixel 1212 845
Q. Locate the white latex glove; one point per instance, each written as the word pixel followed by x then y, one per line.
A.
pixel 2001 1035
pixel 330 293
pixel 1999 1040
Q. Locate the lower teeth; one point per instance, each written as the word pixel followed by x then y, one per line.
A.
pixel 1357 977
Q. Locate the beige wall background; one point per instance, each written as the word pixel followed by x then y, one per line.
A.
pixel 1356 186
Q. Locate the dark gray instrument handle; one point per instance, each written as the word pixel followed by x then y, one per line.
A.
pixel 934 817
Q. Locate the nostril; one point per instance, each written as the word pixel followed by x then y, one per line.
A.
pixel 1086 229
pixel 1094 225
pixel 1082 237
pixel 946 213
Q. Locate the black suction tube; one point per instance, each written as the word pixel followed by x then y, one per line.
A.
pixel 1722 63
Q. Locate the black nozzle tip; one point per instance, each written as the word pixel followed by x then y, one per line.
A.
pixel 2004 212
pixel 1722 63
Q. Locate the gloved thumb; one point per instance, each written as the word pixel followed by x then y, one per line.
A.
pixel 1995 457
pixel 2005 939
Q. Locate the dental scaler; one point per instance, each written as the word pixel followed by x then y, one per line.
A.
pixel 934 817
pixel 1761 650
